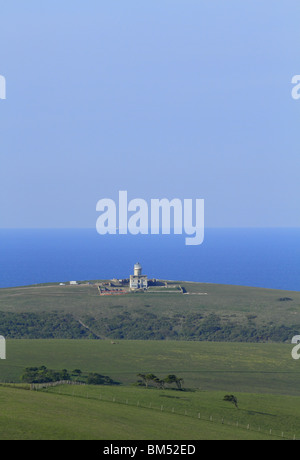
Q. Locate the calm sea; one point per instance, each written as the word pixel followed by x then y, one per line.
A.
pixel 268 258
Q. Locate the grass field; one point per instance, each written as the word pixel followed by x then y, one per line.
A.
pixel 85 412
pixel 226 300
pixel 205 312
pixel 263 376
pixel 245 367
pixel 261 412
pixel 262 368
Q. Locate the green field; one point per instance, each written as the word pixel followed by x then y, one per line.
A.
pixel 205 312
pixel 102 412
pixel 219 339
pixel 40 415
pixel 246 367
pixel 203 297
pixel 264 378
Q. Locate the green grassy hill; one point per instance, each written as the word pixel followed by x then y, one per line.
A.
pixel 73 412
pixel 231 367
pixel 204 312
pixel 263 376
pixel 219 339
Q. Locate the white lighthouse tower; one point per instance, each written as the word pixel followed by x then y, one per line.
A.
pixel 137 280
pixel 137 269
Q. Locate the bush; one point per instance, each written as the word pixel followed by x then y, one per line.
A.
pixel 43 375
pixel 98 379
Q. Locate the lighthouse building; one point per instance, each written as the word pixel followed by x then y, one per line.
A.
pixel 137 280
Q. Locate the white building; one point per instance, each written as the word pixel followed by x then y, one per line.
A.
pixel 137 280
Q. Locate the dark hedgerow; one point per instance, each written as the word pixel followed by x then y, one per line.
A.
pixel 141 326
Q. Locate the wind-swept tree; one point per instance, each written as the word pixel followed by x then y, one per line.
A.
pixel 231 398
pixel 143 377
pixel 150 378
pixel 159 383
pixel 171 378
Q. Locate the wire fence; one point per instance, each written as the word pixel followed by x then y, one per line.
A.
pixel 40 386
pixel 200 415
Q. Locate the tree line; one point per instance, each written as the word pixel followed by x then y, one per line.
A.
pixel 144 326
pixel 42 374
pixel 148 379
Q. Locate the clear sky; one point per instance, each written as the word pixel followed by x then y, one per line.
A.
pixel 162 98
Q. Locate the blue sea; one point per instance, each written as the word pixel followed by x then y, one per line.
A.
pixel 268 258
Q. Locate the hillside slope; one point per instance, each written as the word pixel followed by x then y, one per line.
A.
pixel 203 312
pixel 37 415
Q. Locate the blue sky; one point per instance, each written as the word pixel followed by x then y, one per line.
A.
pixel 185 99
